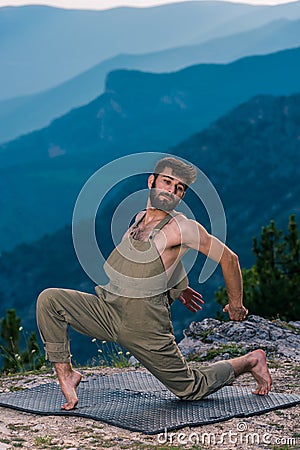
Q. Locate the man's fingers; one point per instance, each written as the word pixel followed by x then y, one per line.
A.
pixel 192 301
pixel 191 308
pixel 195 293
pixel 198 298
pixel 195 304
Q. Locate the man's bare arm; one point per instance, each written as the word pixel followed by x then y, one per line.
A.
pixel 195 236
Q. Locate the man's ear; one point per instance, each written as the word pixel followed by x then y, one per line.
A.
pixel 150 180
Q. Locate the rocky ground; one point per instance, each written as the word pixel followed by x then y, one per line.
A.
pixel 213 339
pixel 276 430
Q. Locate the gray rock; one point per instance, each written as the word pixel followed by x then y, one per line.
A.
pixel 295 324
pixel 133 361
pixel 4 446
pixel 211 338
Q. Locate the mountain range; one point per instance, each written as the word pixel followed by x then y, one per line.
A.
pixel 41 47
pixel 138 112
pixel 252 156
pixel 21 115
pixel 251 19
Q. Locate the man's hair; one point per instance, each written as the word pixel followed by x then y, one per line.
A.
pixel 186 172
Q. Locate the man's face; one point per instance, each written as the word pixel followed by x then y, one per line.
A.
pixel 166 191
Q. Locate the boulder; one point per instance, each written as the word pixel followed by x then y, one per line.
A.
pixel 212 339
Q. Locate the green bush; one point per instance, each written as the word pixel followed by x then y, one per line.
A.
pixel 15 359
pixel 272 284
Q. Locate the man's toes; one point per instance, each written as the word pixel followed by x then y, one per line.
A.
pixel 261 390
pixel 257 391
pixel 68 406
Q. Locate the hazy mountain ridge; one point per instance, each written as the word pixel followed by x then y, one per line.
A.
pixel 24 114
pixel 130 113
pixel 138 112
pixel 252 157
pixel 253 19
pixel 83 38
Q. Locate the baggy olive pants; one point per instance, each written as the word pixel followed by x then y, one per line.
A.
pixel 142 326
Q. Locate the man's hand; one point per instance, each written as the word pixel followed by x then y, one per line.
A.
pixel 191 299
pixel 236 312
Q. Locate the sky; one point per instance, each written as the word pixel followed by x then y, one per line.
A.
pixel 107 4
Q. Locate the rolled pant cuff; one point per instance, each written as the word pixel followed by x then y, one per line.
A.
pixel 210 379
pixel 231 375
pixel 223 374
pixel 57 352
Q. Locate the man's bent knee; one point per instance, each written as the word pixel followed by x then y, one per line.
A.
pixel 52 331
pixel 47 294
pixel 45 300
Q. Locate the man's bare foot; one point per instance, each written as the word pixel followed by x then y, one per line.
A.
pixel 68 379
pixel 255 363
pixel 260 372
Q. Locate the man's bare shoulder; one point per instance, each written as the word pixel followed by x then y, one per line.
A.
pixel 184 221
pixel 191 231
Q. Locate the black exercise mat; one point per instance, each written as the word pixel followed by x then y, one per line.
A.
pixel 139 402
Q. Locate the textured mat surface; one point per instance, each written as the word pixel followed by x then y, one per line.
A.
pixel 139 402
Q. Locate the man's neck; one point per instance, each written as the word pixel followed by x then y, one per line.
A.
pixel 154 215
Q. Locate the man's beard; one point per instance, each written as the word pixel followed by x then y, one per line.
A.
pixel 161 199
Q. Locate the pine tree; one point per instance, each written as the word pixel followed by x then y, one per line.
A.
pixel 13 359
pixel 10 334
pixel 272 284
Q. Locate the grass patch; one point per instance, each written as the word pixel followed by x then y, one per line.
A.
pixel 233 350
pixel 282 447
pixel 204 335
pixel 14 427
pixel 287 325
pixel 15 388
pixel 45 370
pixel 43 440
pixel 139 446
pixel 276 425
pixel 274 364
pixel 110 354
